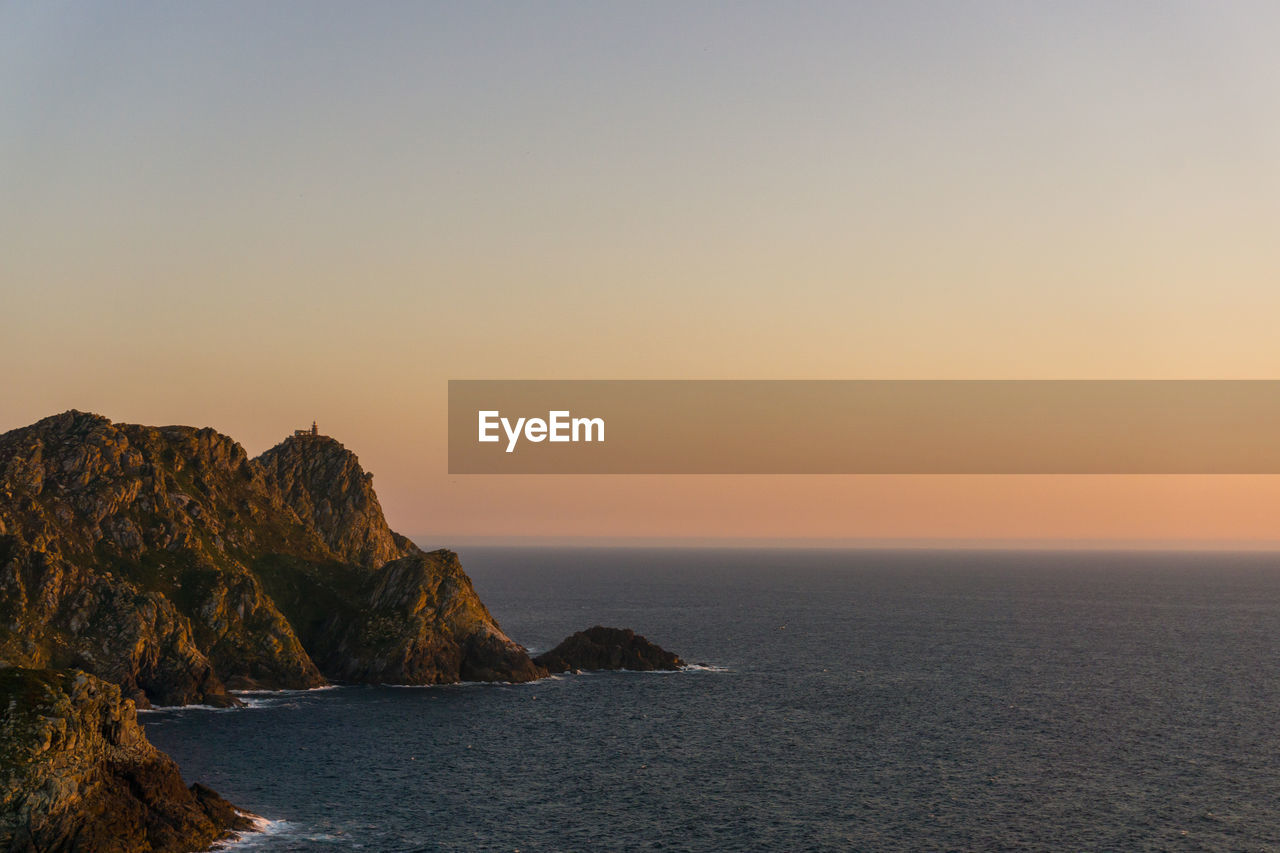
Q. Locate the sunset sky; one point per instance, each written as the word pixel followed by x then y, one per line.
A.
pixel 250 215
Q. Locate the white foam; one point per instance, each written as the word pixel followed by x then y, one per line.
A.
pixel 251 699
pixel 259 699
pixel 448 684
pixel 702 667
pixel 269 692
pixel 262 831
pixel 691 667
pixel 155 709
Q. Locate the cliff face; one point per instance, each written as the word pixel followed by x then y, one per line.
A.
pixel 167 561
pixel 420 622
pixel 79 775
pixel 123 554
pixel 324 484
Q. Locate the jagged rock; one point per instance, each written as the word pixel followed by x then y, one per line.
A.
pixel 324 484
pixel 58 614
pixel 79 775
pixel 168 561
pixel 420 622
pixel 112 565
pixel 416 620
pixel 607 648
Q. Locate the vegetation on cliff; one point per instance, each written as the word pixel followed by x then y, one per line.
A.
pixel 166 560
pixel 77 774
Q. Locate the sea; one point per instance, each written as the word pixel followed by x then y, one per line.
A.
pixel 908 700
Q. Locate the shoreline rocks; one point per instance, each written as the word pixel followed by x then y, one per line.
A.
pixel 78 774
pixel 607 648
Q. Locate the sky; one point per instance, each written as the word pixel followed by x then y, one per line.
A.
pixel 249 216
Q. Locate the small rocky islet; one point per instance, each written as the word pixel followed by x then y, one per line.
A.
pixel 158 566
pixel 599 647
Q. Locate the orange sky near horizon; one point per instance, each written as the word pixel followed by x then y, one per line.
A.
pixel 243 217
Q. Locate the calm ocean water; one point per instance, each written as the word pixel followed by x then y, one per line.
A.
pixel 857 701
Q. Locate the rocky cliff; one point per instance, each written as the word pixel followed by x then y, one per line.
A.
pixel 418 621
pixel 162 566
pixel 324 485
pixel 167 561
pixel 77 774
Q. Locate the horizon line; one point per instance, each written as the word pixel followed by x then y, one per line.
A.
pixel 849 543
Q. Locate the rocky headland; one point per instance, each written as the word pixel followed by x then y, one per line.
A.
pixel 167 561
pixel 157 566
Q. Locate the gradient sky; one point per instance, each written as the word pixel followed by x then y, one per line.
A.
pixel 250 215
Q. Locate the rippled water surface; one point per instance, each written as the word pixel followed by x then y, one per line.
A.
pixel 854 701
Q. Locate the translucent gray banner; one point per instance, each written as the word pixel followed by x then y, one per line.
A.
pixel 864 427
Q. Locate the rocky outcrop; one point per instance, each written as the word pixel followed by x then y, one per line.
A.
pixel 169 562
pixel 78 774
pixel 57 613
pixel 417 620
pixel 123 554
pixel 161 565
pixel 607 648
pixel 324 484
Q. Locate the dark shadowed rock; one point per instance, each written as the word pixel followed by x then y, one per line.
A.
pixel 607 648
pixel 416 620
pixel 78 774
